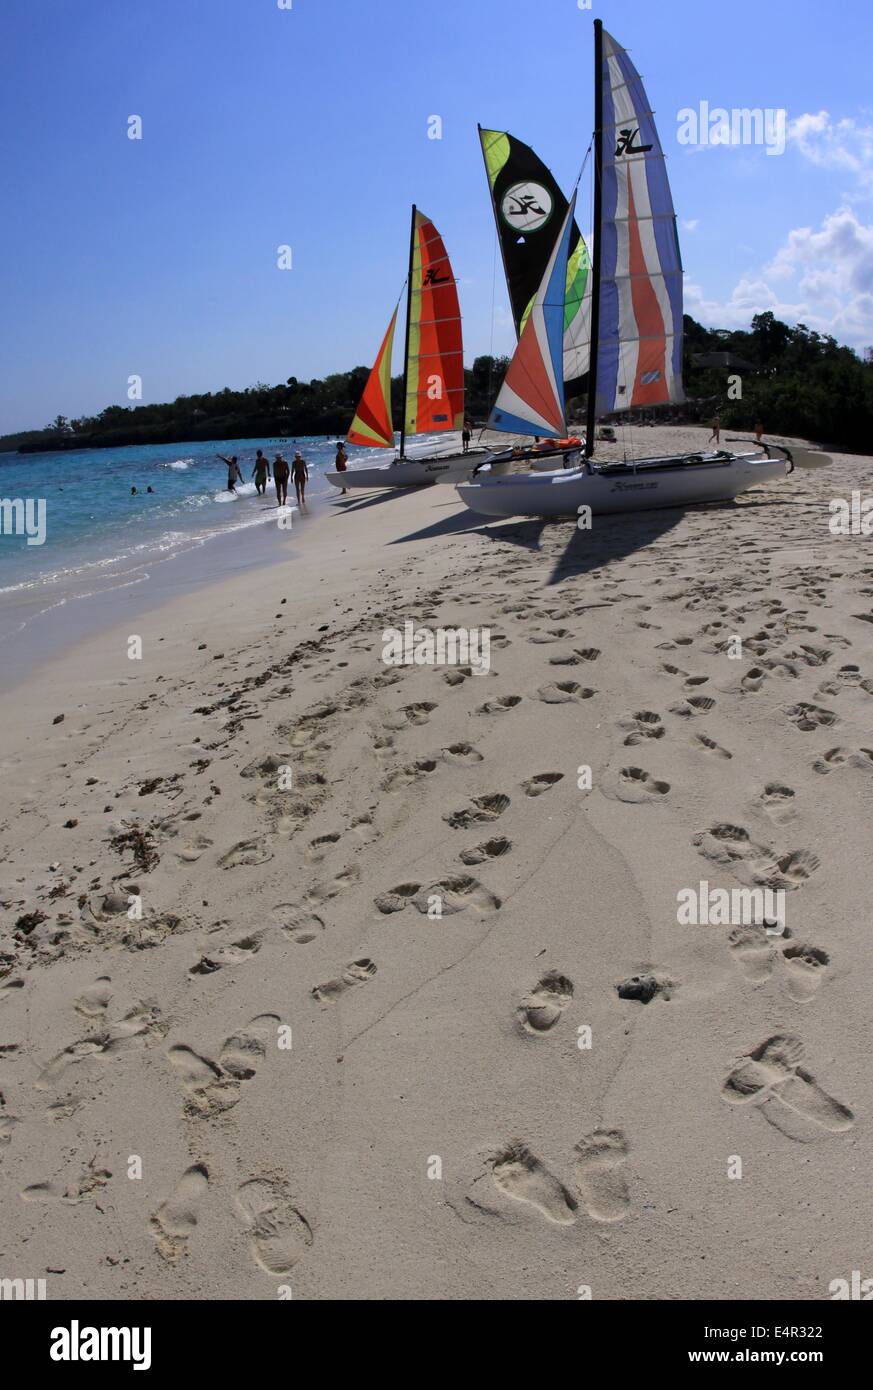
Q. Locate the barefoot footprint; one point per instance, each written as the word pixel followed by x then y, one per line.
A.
pixel 600 1175
pixel 175 1219
pixel 520 1175
pixel 540 1010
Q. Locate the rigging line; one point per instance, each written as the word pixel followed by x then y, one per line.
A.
pixel 491 343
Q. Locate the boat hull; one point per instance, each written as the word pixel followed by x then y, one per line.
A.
pixel 409 472
pixel 563 492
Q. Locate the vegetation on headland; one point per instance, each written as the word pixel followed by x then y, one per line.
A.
pixel 795 381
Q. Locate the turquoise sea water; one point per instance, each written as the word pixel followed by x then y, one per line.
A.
pixel 97 533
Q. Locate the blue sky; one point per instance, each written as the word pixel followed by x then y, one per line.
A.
pixel 309 127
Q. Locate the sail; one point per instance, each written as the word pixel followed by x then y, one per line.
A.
pixel 640 329
pixel 531 399
pixel 435 357
pixel 372 423
pixel 529 207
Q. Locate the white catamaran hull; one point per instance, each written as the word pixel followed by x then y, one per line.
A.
pixel 672 484
pixel 409 472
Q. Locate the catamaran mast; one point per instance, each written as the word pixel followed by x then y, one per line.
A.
pixel 598 239
pixel 406 342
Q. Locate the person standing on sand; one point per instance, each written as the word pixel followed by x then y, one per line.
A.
pixel 233 471
pixel 281 472
pixel 261 473
pixel 341 462
pixel 759 431
pixel 301 477
pixel 716 431
pixel 466 434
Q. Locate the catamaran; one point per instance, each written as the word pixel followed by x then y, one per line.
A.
pixel 630 322
pixel 433 376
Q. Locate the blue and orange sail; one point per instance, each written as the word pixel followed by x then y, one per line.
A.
pixel 531 399
pixel 639 348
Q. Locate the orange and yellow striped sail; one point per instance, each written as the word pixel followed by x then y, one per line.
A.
pixel 435 365
pixel 373 424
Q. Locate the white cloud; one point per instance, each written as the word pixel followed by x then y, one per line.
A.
pixel 690 224
pixel 823 278
pixel 845 144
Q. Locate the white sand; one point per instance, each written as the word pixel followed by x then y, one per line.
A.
pixel 450 1046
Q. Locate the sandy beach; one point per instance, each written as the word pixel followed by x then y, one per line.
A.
pixel 310 964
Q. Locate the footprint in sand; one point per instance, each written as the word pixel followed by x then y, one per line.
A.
pixel 588 653
pixel 644 724
pixel 175 1219
pixel 754 953
pixel 320 847
pixel 94 1001
pixel 139 1027
pixel 636 785
pixel 541 1009
pixel 542 782
pixel 404 776
pixel 356 973
pixel 693 706
pixel 844 757
pixel 461 754
pixel 777 801
pixel 488 849
pixel 409 715
pixel 600 1174
pixel 279 1234
pixel 563 693
pixel 804 968
pixel 709 745
pixel 246 852
pixel 501 705
pixel 481 809
pixel 323 892
pixel 753 680
pixel 518 1174
pixel 453 894
pixel 810 717
pixel 298 923
pixel 211 1087
pixel 192 851
pixel 771 1077
pixel 235 953
pixel 554 634
pixel 396 899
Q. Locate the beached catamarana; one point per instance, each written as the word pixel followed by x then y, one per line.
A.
pixel 631 322
pixel 433 373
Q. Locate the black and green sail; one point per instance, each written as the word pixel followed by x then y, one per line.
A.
pixel 529 209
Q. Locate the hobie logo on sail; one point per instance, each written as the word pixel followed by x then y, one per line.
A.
pixel 526 206
pixel 626 143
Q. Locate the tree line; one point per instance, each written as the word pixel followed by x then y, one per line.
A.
pixel 796 381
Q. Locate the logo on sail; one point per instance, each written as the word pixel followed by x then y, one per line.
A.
pixel 526 206
pixel 433 277
pixel 626 143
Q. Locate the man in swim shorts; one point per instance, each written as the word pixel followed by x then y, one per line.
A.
pixel 281 473
pixel 261 473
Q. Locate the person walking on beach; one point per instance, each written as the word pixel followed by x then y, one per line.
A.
pixel 281 472
pixel 233 471
pixel 301 477
pixel 261 473
pixel 716 431
pixel 466 434
pixel 341 462
pixel 759 431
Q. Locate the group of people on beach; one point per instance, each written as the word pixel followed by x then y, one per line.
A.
pixel 281 472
